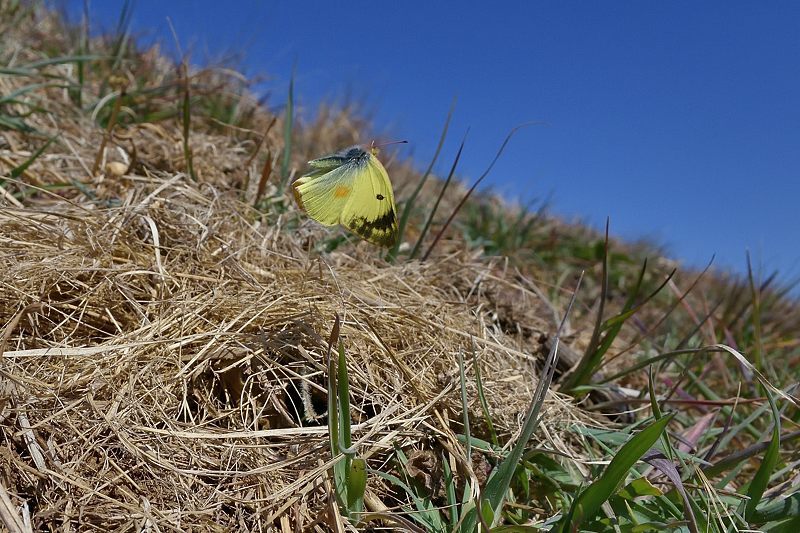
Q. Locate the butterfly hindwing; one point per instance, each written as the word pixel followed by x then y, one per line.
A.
pixel 371 213
pixel 351 188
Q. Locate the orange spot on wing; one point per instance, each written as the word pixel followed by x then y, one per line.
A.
pixel 341 191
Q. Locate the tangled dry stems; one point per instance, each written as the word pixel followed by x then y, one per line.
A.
pixel 163 357
pixel 163 351
pixel 161 374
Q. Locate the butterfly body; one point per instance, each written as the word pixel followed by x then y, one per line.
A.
pixel 351 188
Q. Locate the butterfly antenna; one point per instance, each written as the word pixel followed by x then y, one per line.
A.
pixel 374 147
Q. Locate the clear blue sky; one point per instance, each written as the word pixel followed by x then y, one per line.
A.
pixel 680 120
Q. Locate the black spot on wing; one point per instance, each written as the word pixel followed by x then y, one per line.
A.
pixel 382 230
pixel 387 221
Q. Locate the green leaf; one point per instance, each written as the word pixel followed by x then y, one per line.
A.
pixel 639 487
pixel 760 481
pixel 588 503
pixel 356 486
pixel 789 526
pixel 782 509
pixel 17 171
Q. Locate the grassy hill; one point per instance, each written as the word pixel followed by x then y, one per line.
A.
pixel 176 333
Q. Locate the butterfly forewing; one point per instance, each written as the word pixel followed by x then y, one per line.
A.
pixel 324 194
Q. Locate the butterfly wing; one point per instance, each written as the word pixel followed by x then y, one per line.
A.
pixel 371 212
pixel 350 188
pixel 324 193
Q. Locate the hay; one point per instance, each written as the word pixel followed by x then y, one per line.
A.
pixel 160 376
pixel 163 353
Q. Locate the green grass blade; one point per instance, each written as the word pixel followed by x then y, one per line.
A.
pixel 343 396
pixel 760 481
pixel 493 496
pixel 426 513
pixel 487 417
pixel 11 97
pixel 339 472
pixel 288 125
pixel 789 526
pixel 594 342
pixel 756 317
pixel 783 509
pixel 409 204
pixel 740 456
pixel 595 350
pixel 17 171
pixel 435 207
pixel 450 491
pixel 588 503
pixel 356 486
pixel 83 48
pixel 15 123
pixel 666 463
pixel 122 34
pixel 186 117
pixel 464 406
pixel 32 69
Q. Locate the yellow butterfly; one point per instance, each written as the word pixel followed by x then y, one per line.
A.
pixel 351 188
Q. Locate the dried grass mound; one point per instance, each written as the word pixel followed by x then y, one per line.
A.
pixel 165 359
pixel 163 353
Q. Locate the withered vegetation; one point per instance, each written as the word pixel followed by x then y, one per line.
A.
pixel 163 353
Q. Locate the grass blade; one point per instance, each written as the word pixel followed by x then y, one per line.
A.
pixel 31 69
pixel 409 204
pixel 756 316
pixel 16 172
pixel 122 33
pixel 438 199
pixel 474 186
pixel 333 413
pixel 494 494
pixel 577 377
pixel 288 124
pixel 356 486
pixel 186 117
pixel 588 503
pixel 83 49
pixel 760 481
pixel 487 417
pixel 465 406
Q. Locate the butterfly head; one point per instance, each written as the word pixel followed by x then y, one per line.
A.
pixel 374 149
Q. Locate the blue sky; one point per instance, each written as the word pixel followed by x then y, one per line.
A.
pixel 679 120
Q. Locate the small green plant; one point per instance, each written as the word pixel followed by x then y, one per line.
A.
pixel 605 331
pixel 588 503
pixel 349 471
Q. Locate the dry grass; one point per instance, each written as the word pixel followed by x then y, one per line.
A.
pixel 163 352
pixel 158 360
pixel 164 339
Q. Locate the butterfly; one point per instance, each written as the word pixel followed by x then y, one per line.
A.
pixel 350 187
